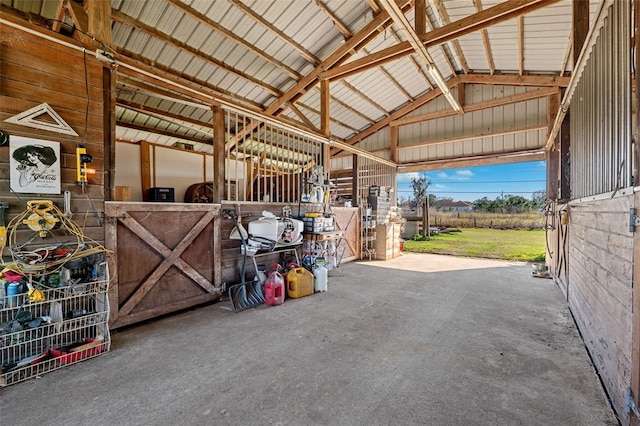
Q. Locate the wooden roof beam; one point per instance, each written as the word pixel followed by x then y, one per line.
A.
pixel 429 96
pixel 501 158
pixel 339 25
pixel 485 41
pixel 491 16
pixel 131 84
pixel 362 37
pixel 421 52
pixel 207 141
pixel 165 115
pixel 492 103
pixel 413 61
pixel 442 10
pixel 302 117
pixel 515 80
pixel 153 69
pixel 476 136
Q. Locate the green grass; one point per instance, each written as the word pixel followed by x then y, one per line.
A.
pixel 511 244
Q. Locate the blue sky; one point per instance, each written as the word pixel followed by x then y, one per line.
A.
pixel 472 183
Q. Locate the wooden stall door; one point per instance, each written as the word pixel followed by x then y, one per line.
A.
pixel 167 258
pixel 348 220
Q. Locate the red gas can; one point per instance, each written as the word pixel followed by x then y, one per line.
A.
pixel 274 287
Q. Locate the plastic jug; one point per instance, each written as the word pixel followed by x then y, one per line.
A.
pixel 274 287
pixel 322 276
pixel 299 282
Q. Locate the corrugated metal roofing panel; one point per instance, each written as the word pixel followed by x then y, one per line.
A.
pixel 475 147
pixel 474 52
pixel 378 88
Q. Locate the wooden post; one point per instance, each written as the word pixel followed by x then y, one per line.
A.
pixel 393 143
pixel 421 17
pixel 145 167
pixel 109 136
pixel 425 218
pixel 355 184
pixel 99 20
pixel 325 126
pixel 553 155
pixel 218 154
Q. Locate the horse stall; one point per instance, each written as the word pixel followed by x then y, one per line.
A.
pixel 172 243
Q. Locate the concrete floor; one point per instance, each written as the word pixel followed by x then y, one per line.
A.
pixel 419 340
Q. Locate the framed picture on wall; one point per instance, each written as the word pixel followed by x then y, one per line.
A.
pixel 35 165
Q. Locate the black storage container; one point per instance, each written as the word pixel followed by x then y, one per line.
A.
pixel 164 195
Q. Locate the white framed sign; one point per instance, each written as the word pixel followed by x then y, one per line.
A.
pixel 35 165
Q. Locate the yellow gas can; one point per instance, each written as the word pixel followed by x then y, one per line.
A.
pixel 299 282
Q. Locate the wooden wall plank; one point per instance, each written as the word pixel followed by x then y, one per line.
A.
pixel 601 267
pixel 635 336
pixel 32 74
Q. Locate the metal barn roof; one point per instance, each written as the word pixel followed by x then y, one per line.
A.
pixel 270 55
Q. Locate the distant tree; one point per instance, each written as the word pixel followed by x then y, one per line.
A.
pixel 420 185
pixel 482 205
pixel 435 202
pixel 516 204
pixel 538 198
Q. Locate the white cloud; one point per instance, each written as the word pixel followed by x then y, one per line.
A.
pixel 406 177
pixel 466 173
pixel 442 175
pixel 437 186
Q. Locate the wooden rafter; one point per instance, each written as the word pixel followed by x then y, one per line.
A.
pixel 500 158
pixel 121 18
pixel 413 60
pixel 365 97
pixel 333 120
pixel 148 129
pixel 476 136
pixel 422 14
pixel 420 20
pixel 183 7
pixel 349 48
pixel 492 103
pixel 99 20
pixel 567 55
pixel 302 117
pixel 485 40
pixel 347 107
pixel 442 10
pixel 181 79
pixel 491 16
pixel 346 33
pixel 165 115
pixel 374 6
pixel 428 97
pixel 515 80
pixel 129 82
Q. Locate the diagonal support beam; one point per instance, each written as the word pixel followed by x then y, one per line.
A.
pixel 414 40
pixel 172 257
pixel 501 12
